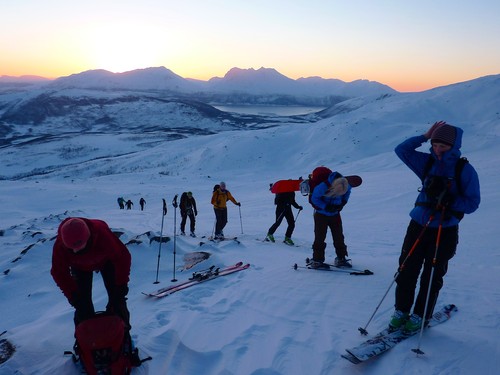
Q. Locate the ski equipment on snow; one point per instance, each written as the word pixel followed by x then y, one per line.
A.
pixel 161 240
pixel 175 205
pixel 217 240
pixel 385 340
pixel 198 278
pixel 332 267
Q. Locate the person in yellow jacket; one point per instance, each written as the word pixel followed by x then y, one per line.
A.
pixel 219 201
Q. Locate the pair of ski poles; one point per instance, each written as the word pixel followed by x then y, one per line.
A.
pixel 241 222
pixel 401 268
pixel 175 205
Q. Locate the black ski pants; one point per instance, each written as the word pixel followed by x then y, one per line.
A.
pixel 283 211
pixel 192 220
pixel 82 299
pixel 220 220
pixel 321 225
pixel 423 255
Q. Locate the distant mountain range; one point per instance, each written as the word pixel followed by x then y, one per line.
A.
pixel 238 86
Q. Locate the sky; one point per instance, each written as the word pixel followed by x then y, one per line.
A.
pixel 408 45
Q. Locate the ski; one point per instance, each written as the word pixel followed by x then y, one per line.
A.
pixel 216 240
pixel 385 340
pixel 198 278
pixel 333 268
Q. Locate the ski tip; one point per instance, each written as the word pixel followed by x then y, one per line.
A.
pixel 351 358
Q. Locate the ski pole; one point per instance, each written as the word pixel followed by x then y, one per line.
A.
pixel 161 240
pixel 241 221
pixel 400 269
pixel 297 216
pixel 174 203
pixel 434 261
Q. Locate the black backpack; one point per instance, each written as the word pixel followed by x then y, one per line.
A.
pixel 459 167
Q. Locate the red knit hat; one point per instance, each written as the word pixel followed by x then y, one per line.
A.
pixel 75 233
pixel 444 134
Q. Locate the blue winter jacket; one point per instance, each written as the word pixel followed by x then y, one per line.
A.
pixel 320 201
pixel 466 201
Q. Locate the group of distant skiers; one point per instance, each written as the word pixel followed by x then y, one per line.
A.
pixel 450 189
pixel 122 203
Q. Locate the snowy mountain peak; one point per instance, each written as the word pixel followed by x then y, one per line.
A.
pixel 155 78
pixel 251 73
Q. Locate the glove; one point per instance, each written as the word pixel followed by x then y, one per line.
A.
pixel 238 204
pixel 301 208
pixel 121 290
pixel 74 300
pixel 436 125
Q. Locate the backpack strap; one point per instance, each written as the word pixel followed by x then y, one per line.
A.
pixel 459 167
pixel 427 168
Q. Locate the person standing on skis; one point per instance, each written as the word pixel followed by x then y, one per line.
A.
pixel 219 200
pixel 432 235
pixel 187 207
pixel 328 199
pixel 284 203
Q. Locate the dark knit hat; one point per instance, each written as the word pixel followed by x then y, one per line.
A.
pixel 444 134
pixel 75 233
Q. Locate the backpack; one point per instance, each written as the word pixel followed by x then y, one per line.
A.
pixel 459 167
pixel 318 175
pixel 103 347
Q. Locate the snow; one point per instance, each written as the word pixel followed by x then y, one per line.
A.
pixel 269 319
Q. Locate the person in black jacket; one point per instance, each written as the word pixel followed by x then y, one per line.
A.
pixel 188 209
pixel 284 203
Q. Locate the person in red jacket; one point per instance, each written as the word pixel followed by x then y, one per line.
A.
pixel 82 247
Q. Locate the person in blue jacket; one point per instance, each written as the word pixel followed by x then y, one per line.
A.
pixel 328 199
pixel 432 234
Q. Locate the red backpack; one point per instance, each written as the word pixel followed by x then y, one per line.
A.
pixel 103 347
pixel 318 175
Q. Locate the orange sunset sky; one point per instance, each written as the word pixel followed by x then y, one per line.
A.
pixel 408 45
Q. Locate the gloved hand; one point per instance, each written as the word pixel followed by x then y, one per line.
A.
pixel 436 125
pixel 238 204
pixel 121 290
pixel 74 300
pixel 301 208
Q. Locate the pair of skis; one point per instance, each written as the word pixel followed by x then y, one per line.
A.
pixel 334 268
pixel 387 339
pixel 198 278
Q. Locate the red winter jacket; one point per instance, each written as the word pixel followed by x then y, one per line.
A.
pixel 103 247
